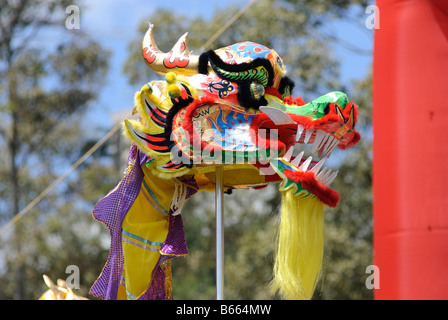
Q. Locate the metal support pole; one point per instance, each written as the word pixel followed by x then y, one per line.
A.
pixel 219 208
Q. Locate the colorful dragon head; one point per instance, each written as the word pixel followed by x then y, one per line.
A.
pixel 233 107
pixel 230 107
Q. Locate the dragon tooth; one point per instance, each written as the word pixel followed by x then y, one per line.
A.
pixel 323 144
pixel 320 135
pixel 306 164
pixel 327 143
pixel 326 176
pixel 319 154
pixel 278 116
pixel 332 147
pixel 297 159
pixel 322 177
pixel 288 154
pixel 317 167
pixel 300 129
pixel 331 178
pixel 327 146
pixel 322 173
pixel 308 134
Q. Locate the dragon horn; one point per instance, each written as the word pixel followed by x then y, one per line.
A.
pixel 179 59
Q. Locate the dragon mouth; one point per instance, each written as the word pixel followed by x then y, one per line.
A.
pixel 315 140
pixel 305 172
pixel 301 166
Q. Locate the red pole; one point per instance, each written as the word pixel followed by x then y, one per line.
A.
pixel 410 162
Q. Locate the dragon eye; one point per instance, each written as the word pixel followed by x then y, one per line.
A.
pixel 327 109
pixel 256 90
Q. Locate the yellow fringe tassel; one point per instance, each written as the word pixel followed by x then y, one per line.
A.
pixel 300 247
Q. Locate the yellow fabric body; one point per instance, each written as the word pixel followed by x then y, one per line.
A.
pixel 144 229
pixel 299 248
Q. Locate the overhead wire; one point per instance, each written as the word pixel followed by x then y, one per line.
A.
pixel 108 135
pixel 59 179
pixel 218 33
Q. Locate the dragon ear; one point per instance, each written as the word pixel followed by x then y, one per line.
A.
pixel 339 113
pixel 351 118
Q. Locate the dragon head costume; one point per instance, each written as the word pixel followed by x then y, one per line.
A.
pixel 230 107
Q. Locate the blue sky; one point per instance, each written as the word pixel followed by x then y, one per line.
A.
pixel 114 23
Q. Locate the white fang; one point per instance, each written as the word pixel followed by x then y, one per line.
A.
pixel 300 129
pixel 277 116
pixel 320 135
pixel 297 159
pixel 317 167
pixel 306 164
pixel 308 134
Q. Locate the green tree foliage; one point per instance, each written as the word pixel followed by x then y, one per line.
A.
pixel 45 89
pixel 293 28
